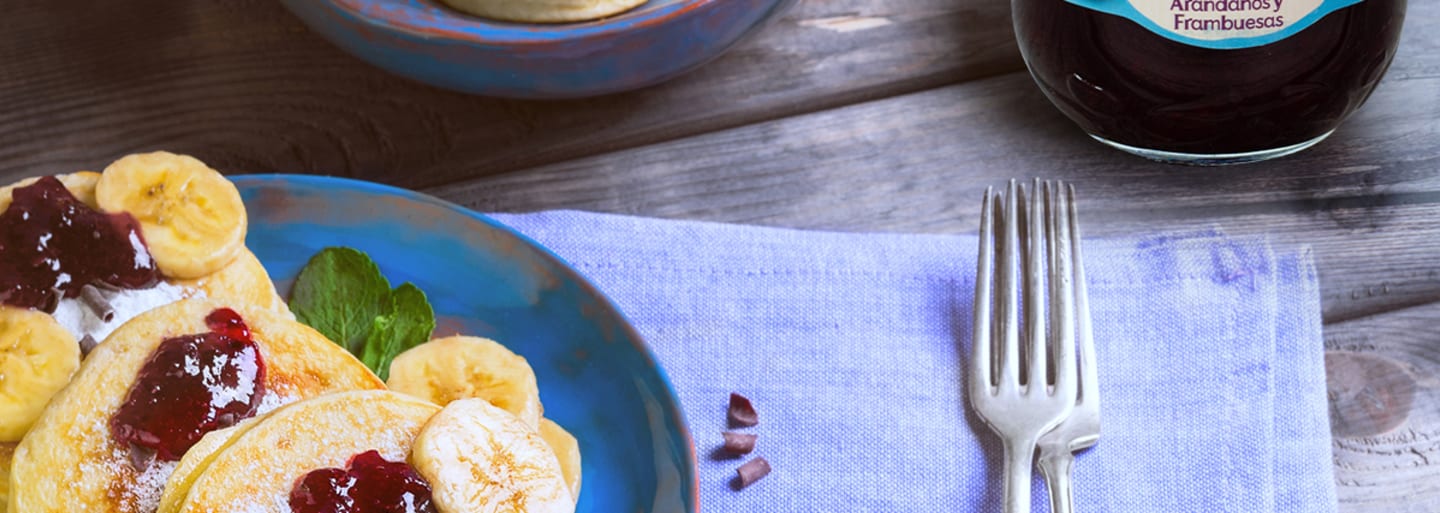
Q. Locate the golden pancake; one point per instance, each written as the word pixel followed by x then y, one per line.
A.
pixel 69 461
pixel 296 439
pixel 544 11
pixel 197 458
pixel 242 281
pixel 7 453
pixel 79 183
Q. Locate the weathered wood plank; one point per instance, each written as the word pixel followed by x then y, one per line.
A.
pixel 244 86
pixel 1384 380
pixel 916 163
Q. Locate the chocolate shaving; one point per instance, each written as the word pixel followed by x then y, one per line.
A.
pixel 107 286
pixel 742 413
pixel 53 302
pixel 752 471
pixel 739 443
pixel 141 457
pixel 92 299
pixel 87 344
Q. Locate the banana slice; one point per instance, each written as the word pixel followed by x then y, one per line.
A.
pixel 191 216
pixel 452 368
pixel 37 357
pixel 80 183
pixel 544 11
pixel 567 450
pixel 478 457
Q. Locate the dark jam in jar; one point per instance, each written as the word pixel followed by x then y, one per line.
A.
pixel 52 245
pixel 190 386
pixel 371 484
pixel 1126 84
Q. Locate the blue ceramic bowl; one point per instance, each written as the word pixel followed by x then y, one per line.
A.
pixel 427 41
pixel 597 378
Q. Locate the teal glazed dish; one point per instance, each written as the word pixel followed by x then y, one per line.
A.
pixel 597 377
pixel 432 43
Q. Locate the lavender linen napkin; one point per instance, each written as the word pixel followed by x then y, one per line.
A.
pixel 852 347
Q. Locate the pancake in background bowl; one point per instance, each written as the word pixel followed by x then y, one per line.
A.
pixel 544 11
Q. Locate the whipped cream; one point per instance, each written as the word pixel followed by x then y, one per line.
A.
pixel 80 320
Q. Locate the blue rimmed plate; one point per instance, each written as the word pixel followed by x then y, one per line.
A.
pixel 597 378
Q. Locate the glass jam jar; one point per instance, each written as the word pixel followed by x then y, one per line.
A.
pixel 1208 81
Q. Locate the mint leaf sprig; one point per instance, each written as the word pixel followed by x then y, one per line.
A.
pixel 342 294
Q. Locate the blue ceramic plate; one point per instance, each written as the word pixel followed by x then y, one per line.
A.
pixel 597 378
pixel 429 42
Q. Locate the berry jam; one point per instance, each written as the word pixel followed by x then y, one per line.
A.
pixel 52 245
pixel 1123 83
pixel 192 385
pixel 369 485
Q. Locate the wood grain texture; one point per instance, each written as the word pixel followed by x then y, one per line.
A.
pixel 243 85
pixel 919 163
pixel 847 115
pixel 1385 410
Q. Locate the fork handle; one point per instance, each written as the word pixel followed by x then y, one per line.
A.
pixel 1056 469
pixel 1019 454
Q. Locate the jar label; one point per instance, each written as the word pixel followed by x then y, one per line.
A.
pixel 1220 24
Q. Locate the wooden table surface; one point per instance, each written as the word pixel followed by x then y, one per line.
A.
pixel 854 115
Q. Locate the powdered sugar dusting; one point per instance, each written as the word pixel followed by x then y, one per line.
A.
pixel 269 402
pixel 141 492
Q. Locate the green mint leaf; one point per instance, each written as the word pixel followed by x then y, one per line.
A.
pixel 340 293
pixel 373 355
pixel 409 322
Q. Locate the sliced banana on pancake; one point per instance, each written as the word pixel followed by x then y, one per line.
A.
pixel 79 183
pixel 460 367
pixel 72 460
pixel 544 11
pixel 478 457
pixel 567 451
pixel 321 433
pixel 192 218
pixel 37 358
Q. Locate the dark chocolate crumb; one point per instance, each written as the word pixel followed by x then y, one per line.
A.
pixel 87 344
pixel 739 443
pixel 141 458
pixel 752 471
pixel 742 413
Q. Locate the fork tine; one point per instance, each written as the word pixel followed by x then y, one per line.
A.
pixel 1062 304
pixel 980 360
pixel 1089 381
pixel 1009 291
pixel 1034 289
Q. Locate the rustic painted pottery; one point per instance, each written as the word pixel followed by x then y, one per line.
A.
pixel 426 41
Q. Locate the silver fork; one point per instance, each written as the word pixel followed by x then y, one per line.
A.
pixel 1020 412
pixel 1080 430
